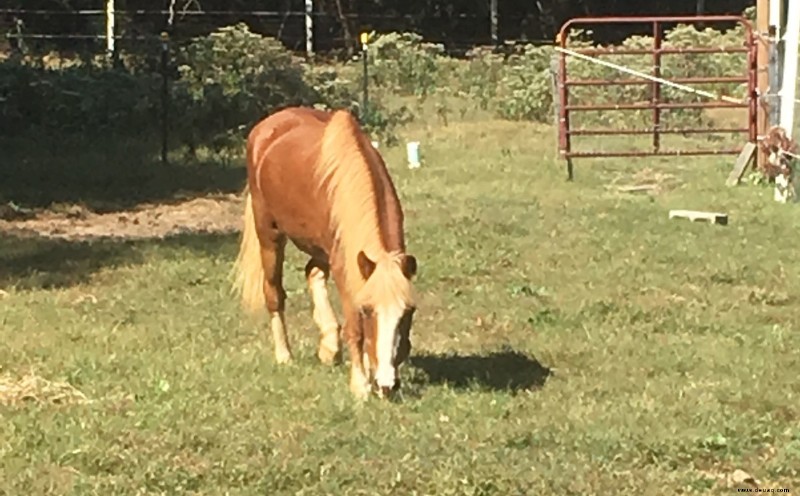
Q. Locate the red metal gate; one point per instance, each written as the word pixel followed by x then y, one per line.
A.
pixel 566 107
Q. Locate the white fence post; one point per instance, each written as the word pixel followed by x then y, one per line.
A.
pixel 788 90
pixel 309 27
pixel 110 28
pixel 493 22
pixel 775 21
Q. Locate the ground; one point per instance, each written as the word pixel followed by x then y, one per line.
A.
pixel 570 338
pixel 210 214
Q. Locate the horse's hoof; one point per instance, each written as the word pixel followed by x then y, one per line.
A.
pixel 283 358
pixel 328 356
pixel 360 390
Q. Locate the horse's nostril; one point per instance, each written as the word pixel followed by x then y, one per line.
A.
pixel 384 391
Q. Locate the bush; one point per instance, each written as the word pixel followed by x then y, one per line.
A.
pixel 78 99
pixel 224 83
pixel 404 63
pixel 518 86
pixel 525 89
pixel 231 79
pixel 340 87
pixel 480 75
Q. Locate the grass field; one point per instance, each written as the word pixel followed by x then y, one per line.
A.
pixel 570 338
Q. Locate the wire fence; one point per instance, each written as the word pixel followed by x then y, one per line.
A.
pixel 86 29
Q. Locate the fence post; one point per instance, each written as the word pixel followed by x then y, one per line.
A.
pixel 110 28
pixel 762 28
pixel 789 87
pixel 555 88
pixel 775 14
pixel 493 22
pixel 309 28
pixel 364 56
pixel 164 97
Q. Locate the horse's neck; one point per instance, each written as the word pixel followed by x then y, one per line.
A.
pixel 364 208
pixel 388 211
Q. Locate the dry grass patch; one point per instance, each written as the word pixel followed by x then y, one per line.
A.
pixel 34 388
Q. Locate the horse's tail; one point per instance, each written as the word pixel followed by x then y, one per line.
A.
pixel 248 273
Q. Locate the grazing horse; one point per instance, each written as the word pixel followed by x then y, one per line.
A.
pixel 314 178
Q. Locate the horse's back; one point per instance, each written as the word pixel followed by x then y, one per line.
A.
pixel 282 152
pixel 285 140
pixel 278 124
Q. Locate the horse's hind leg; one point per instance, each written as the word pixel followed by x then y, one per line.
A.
pixel 272 261
pixel 317 277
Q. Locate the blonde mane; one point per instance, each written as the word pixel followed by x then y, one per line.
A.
pixel 345 173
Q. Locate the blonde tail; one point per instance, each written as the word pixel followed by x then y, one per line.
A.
pixel 248 273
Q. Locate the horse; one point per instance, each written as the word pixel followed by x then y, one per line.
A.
pixel 314 178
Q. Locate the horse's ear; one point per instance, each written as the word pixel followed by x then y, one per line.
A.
pixel 409 266
pixel 365 265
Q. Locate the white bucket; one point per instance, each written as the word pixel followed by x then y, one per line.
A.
pixel 412 150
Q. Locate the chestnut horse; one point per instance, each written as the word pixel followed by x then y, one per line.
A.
pixel 314 178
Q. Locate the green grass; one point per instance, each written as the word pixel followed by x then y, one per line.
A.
pixel 570 339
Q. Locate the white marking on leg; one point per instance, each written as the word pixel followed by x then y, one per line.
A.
pixel 282 352
pixel 324 316
pixel 359 384
pixel 387 340
pixel 367 365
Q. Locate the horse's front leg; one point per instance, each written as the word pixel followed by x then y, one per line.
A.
pixel 359 380
pixel 317 277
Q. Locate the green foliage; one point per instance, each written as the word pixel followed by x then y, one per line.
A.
pixel 403 62
pixel 525 90
pixel 232 78
pixel 79 99
pixel 225 82
pixel 481 74
pixel 228 80
pixel 340 87
pixel 519 85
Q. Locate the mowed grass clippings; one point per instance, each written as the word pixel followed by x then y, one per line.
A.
pixel 570 338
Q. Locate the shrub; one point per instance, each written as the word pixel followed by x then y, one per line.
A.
pixel 404 63
pixel 224 83
pixel 231 79
pixel 480 75
pixel 340 87
pixel 78 99
pixel 525 89
pixel 519 86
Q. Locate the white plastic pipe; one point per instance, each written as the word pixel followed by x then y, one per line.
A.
pixel 788 86
pixel 412 150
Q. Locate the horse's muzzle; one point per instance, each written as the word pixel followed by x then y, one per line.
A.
pixel 386 391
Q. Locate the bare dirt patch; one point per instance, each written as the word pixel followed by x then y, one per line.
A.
pixel 211 214
pixel 646 181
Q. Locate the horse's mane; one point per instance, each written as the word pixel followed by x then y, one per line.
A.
pixel 346 174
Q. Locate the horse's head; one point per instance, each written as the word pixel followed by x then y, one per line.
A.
pixel 386 308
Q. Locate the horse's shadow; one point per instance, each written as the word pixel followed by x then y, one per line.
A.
pixel 506 370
